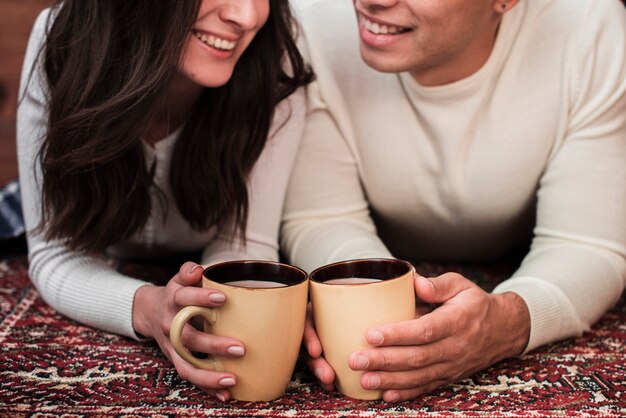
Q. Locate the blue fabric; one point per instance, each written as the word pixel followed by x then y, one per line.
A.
pixel 11 218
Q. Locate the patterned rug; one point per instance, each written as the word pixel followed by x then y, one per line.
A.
pixel 51 366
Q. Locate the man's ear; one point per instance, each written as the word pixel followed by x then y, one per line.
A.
pixel 503 6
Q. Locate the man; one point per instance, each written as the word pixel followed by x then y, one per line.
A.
pixel 464 129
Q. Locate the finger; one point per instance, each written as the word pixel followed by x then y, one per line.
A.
pixel 397 358
pixel 427 329
pixel 189 274
pixel 405 379
pixel 205 379
pixel 310 339
pixel 222 395
pixel 406 394
pixel 203 342
pixel 442 288
pixel 195 296
pixel 322 371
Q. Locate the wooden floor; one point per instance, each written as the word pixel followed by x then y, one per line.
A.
pixel 16 20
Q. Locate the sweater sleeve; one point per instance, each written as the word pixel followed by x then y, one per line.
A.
pixel 326 216
pixel 267 188
pixel 84 288
pixel 576 268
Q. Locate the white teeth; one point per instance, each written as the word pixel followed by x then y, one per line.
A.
pixel 379 29
pixel 216 42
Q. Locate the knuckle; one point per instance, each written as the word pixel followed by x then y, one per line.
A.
pixel 460 322
pixel 461 349
pixel 186 267
pixel 164 327
pixel 212 345
pixel 429 376
pixel 176 297
pixel 204 299
pixel 417 359
pixel 187 338
pixel 391 334
pixel 385 360
pixel 428 332
pixel 219 347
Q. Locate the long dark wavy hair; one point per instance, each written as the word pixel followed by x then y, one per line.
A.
pixel 107 64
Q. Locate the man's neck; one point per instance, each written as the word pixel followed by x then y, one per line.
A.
pixel 463 65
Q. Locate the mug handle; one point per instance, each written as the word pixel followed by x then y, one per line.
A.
pixel 176 330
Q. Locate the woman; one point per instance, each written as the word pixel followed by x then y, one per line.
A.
pixel 148 131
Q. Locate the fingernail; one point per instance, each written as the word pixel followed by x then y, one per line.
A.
pixel 193 268
pixel 220 396
pixel 227 381
pixel 319 373
pixel 361 362
pixel 236 350
pixel 217 297
pixel 375 337
pixel 392 396
pixel 373 381
pixel 430 282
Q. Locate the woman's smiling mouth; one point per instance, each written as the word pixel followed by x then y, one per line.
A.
pixel 214 41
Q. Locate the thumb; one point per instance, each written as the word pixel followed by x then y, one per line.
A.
pixel 442 288
pixel 189 274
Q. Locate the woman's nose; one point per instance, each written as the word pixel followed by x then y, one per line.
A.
pixel 244 14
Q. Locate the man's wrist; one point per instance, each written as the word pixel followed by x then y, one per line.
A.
pixel 515 320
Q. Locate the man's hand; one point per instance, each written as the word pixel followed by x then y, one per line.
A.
pixel 469 331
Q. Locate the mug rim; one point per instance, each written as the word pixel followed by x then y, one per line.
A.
pixel 396 261
pixel 257 277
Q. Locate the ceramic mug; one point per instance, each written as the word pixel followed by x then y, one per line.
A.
pixel 265 309
pixel 348 299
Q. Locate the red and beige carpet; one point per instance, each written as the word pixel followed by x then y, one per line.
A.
pixel 51 366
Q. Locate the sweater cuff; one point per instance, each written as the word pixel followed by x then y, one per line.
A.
pixel 121 307
pixel 109 307
pixel 552 316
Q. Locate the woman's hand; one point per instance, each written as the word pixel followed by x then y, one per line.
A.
pixel 469 331
pixel 154 307
pixel 316 363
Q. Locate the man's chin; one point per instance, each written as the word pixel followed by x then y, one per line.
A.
pixel 377 61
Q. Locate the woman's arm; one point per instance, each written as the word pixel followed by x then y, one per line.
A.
pixel 84 288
